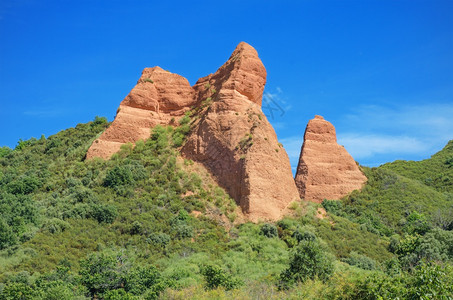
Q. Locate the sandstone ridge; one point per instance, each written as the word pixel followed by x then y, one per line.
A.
pixel 325 170
pixel 230 135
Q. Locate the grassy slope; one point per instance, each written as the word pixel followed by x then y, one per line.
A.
pixel 395 190
pixel 436 172
pixel 67 186
pixel 59 207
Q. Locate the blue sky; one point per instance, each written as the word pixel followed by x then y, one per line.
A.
pixel 380 71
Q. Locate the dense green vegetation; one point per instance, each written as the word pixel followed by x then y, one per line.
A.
pixel 436 172
pixel 146 224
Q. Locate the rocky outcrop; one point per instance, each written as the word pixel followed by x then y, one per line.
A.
pixel 326 170
pixel 230 135
pixel 236 143
pixel 158 97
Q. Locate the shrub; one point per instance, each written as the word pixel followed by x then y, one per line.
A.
pixel 141 278
pixel 17 291
pixel 159 137
pixel 216 277
pixel 7 236
pixel 180 132
pixel 436 245
pixel 24 185
pixel 103 213
pixel 430 281
pixel 55 225
pixel 159 239
pixel 183 231
pixel 416 224
pixel 332 206
pixel 119 294
pixel 269 230
pixel 378 286
pixel 99 121
pixel 12 206
pixel 102 272
pixel 110 275
pixel 309 261
pixel 5 151
pixel 83 194
pixel 184 120
pixel 119 175
pixel 427 281
pixel 304 234
pixel 137 228
pixel 360 261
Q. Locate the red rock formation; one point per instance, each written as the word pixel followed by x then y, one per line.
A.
pixel 231 136
pixel 326 170
pixel 158 97
pixel 236 143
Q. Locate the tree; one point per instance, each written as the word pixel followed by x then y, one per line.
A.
pixel 119 175
pixel 431 281
pixel 269 230
pixel 141 278
pixel 102 272
pixel 216 277
pixel 103 213
pixel 17 291
pixel 7 236
pixel 309 261
pixel 5 151
pixel 416 224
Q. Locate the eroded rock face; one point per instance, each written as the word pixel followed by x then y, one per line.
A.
pixel 326 170
pixel 158 97
pixel 236 143
pixel 230 136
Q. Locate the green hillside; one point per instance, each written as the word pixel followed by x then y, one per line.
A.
pixel 436 172
pixel 148 224
pixel 396 192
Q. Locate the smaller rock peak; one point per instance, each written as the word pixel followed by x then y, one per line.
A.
pixel 326 170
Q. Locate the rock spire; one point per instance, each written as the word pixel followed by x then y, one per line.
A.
pixel 326 170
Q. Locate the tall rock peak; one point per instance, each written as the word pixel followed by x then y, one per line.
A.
pixel 326 170
pixel 230 135
pixel 236 143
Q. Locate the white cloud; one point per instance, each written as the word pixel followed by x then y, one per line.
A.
pixel 366 146
pixel 396 132
pixel 434 120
